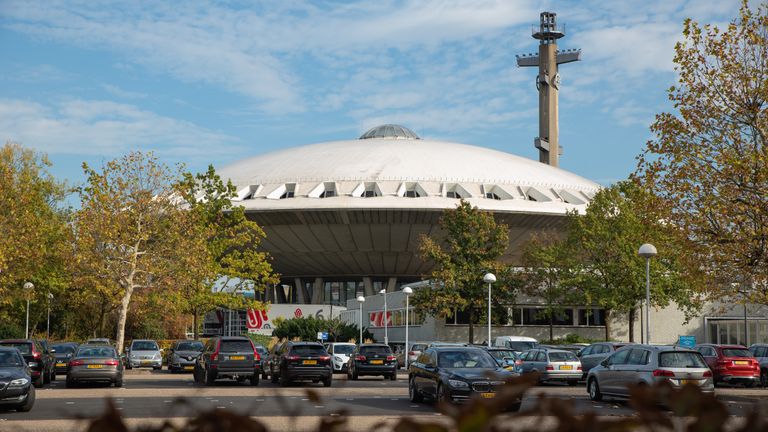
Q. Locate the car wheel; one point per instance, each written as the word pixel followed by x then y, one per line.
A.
pixel 327 382
pixel 264 374
pixel 70 383
pixel 53 374
pixel 274 378
pixel 594 390
pixel 284 382
pixel 29 402
pixel 354 375
pixel 393 377
pixel 764 377
pixel 573 383
pixel 46 377
pixel 119 382
pixel 39 381
pixel 414 394
pixel 255 380
pixel 749 384
pixel 515 407
pixel 210 379
pixel 442 395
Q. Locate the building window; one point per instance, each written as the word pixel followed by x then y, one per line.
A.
pixel 491 195
pixel 286 194
pixel 591 317
pixel 453 194
pixel 369 193
pixel 328 194
pixel 412 194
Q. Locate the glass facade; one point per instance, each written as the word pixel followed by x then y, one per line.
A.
pixel 731 331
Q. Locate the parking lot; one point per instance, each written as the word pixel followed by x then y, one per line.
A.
pixel 147 396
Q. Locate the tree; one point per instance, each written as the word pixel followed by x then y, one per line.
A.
pixel 236 263
pixel 605 241
pixel 549 274
pixel 709 161
pixel 470 244
pixel 130 233
pixel 33 243
pixel 306 329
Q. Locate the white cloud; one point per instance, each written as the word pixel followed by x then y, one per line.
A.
pixel 106 128
pixel 122 93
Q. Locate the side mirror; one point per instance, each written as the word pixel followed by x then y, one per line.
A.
pixel 53 351
pixel 604 363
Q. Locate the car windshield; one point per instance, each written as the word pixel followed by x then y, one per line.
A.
pixel 562 356
pixel 736 352
pixel 64 349
pixel 10 359
pixel 503 354
pixel 371 350
pixel 681 360
pixel 96 352
pixel 343 349
pixel 144 346
pixel 190 346
pixel 24 347
pixel 307 350
pixel 261 350
pixel 418 347
pixel 521 345
pixel 465 359
pixel 97 342
pixel 236 346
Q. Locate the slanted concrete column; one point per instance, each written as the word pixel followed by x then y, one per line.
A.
pixel 317 291
pixel 391 284
pixel 368 284
pixel 301 291
pixel 280 294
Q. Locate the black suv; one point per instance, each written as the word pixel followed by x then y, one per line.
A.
pixel 372 359
pixel 301 361
pixel 41 363
pixel 228 357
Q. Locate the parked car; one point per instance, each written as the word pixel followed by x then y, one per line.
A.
pixel 760 351
pixel 372 360
pixel 413 353
pixel 16 389
pixel 100 341
pixel 183 354
pixel 505 357
pixel 48 353
pixel 231 357
pixel 263 359
pixel 340 353
pixel 273 356
pixel 301 361
pixel 95 363
pixel 40 365
pixel 144 353
pixel 551 365
pixel 517 344
pixel 647 365
pixel 455 374
pixel 733 364
pixel 592 355
pixel 62 353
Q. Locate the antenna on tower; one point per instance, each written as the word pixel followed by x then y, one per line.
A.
pixel 548 83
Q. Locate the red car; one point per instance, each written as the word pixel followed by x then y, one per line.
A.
pixel 733 364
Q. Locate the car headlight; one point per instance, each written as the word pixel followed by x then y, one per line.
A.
pixel 33 364
pixel 21 382
pixel 157 356
pixel 458 384
pixel 338 359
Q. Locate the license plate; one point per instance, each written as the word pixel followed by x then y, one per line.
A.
pixel 741 362
pixel 377 362
pixel 309 362
pixel 688 381
pixel 145 362
pixel 237 358
pixel 61 364
pixel 487 395
pixel 189 367
pixel 566 367
pixel 95 366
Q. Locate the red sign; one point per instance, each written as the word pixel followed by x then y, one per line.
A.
pixel 256 319
pixel 377 319
pixel 297 313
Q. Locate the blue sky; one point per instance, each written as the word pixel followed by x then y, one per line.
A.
pixel 213 82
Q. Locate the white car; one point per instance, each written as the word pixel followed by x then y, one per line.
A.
pixel 340 353
pixel 518 344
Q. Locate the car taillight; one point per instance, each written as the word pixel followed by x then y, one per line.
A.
pixel 76 363
pixel 215 354
pixel 391 358
pixel 411 353
pixel 360 358
pixel 708 374
pixel 292 357
pixel 663 373
pixel 256 356
pixel 578 367
pixel 550 368
pixel 111 362
pixel 325 358
pixel 36 355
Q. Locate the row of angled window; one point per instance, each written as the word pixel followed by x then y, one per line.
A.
pixel 416 190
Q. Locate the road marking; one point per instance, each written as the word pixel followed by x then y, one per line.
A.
pixel 259 400
pixel 221 407
pixel 414 406
pixel 319 406
pixel 167 401
pixel 70 403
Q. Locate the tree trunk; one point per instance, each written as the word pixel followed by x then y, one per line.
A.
pixel 471 313
pixel 551 327
pixel 123 316
pixel 607 325
pixel 194 324
pixel 632 325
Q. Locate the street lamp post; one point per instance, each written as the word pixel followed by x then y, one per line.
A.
pixel 386 336
pixel 28 287
pixel 647 251
pixel 407 291
pixel 360 301
pixel 489 278
pixel 49 296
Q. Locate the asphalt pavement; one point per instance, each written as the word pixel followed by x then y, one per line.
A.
pixel 150 396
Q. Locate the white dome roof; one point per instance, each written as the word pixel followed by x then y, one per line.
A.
pixel 390 168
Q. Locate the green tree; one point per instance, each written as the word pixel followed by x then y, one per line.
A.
pixel 605 241
pixel 306 329
pixel 130 233
pixel 548 274
pixel 236 263
pixel 709 160
pixel 470 244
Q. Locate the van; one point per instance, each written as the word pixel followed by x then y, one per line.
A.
pixel 517 344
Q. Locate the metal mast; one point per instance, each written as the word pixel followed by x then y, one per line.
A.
pixel 548 84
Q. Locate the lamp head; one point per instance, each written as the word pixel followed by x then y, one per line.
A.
pixel 29 286
pixel 360 299
pixel 489 278
pixel 647 251
pixel 383 291
pixel 407 291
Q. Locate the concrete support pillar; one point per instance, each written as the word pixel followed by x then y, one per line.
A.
pixel 269 294
pixel 391 284
pixel 301 291
pixel 368 284
pixel 317 291
pixel 280 296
